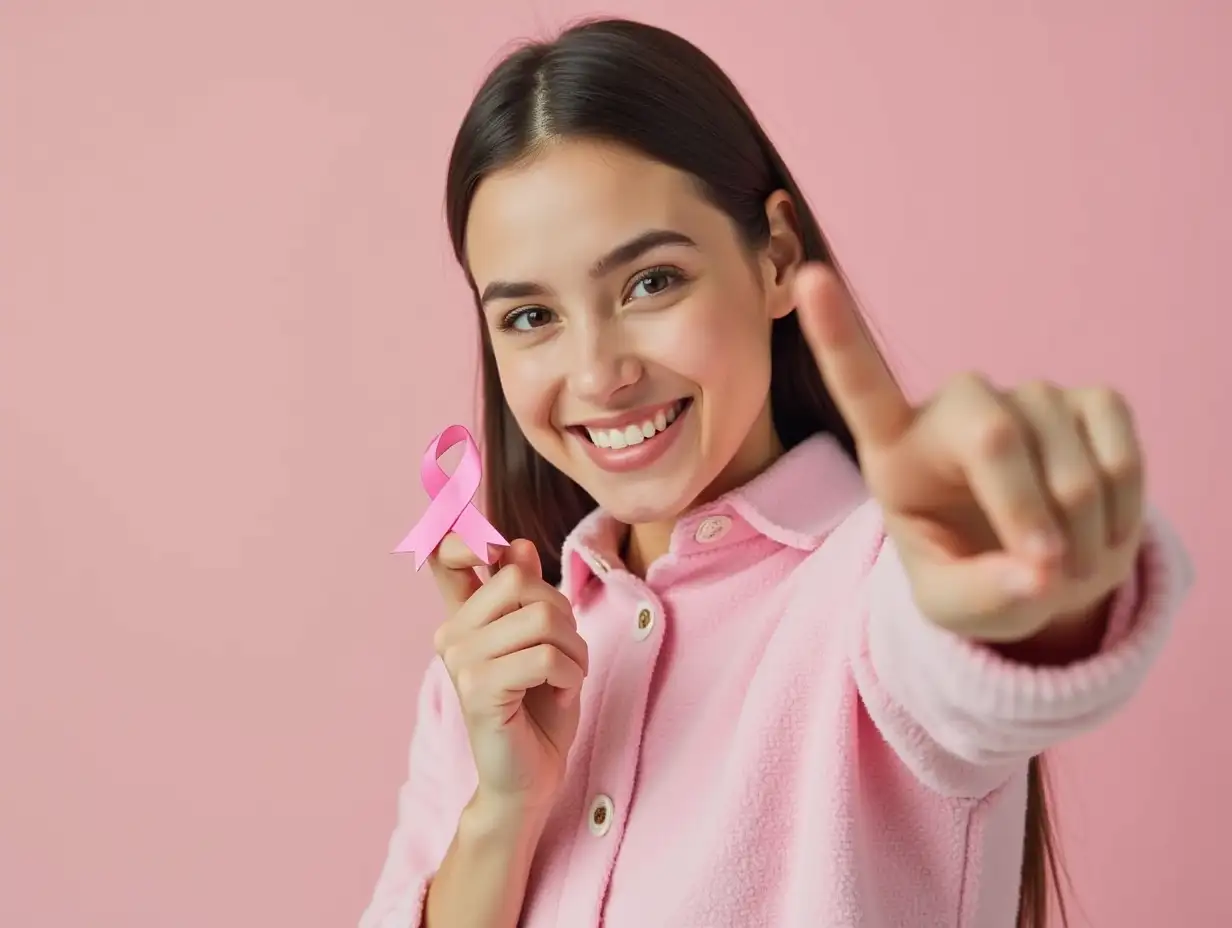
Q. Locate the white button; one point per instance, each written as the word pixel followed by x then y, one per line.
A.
pixel 643 621
pixel 601 812
pixel 712 529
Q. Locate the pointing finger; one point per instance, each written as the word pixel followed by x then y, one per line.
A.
pixel 859 381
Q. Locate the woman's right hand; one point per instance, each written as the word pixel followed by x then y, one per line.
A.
pixel 512 649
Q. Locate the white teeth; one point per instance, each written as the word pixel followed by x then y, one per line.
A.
pixel 635 434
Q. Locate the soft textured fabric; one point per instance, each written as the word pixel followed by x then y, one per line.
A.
pixel 773 735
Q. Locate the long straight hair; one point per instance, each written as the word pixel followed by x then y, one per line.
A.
pixel 654 92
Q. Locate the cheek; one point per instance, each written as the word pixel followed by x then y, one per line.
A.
pixel 725 350
pixel 530 391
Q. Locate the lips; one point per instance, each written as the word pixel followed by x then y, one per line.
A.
pixel 632 443
pixel 635 432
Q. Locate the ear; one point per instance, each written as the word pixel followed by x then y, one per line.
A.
pixel 782 255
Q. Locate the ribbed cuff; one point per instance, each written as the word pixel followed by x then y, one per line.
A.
pixel 980 684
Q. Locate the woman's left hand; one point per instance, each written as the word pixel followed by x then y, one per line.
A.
pixel 1013 510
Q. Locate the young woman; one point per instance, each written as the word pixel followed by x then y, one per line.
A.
pixel 774 646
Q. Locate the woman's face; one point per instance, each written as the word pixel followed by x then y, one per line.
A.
pixel 630 324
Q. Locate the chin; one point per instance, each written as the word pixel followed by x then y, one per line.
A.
pixel 648 499
pixel 645 506
pixel 642 515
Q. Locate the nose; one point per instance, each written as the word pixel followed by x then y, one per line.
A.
pixel 602 366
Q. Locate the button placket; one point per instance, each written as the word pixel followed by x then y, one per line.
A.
pixel 616 738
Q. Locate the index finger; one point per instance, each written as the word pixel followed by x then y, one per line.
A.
pixel 860 383
pixel 454 567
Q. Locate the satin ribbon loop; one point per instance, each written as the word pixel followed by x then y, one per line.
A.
pixel 451 507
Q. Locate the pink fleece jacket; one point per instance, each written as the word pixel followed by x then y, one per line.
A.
pixel 772 735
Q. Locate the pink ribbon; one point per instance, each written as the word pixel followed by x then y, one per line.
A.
pixel 451 507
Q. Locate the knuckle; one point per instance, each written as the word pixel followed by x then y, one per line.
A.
pixel 1108 400
pixel 467 682
pixel 547 658
pixel 564 610
pixel 451 655
pixel 995 434
pixel 1040 393
pixel 1125 469
pixel 441 639
pixel 969 383
pixel 1077 492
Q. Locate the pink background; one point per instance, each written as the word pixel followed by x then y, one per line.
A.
pixel 229 322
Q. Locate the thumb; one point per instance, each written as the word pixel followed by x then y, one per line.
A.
pixel 990 597
pixel 454 567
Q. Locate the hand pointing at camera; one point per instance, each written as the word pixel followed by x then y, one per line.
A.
pixel 1011 509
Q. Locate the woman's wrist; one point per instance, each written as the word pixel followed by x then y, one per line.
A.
pixel 1066 640
pixel 482 880
pixel 503 820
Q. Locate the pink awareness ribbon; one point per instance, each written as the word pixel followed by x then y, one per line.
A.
pixel 451 507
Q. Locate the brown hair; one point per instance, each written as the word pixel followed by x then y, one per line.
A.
pixel 654 92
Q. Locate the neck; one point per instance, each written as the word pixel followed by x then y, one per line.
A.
pixel 648 541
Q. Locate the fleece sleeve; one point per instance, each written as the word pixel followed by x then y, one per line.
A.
pixel 962 717
pixel 429 805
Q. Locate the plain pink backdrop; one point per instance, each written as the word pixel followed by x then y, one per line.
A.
pixel 229 322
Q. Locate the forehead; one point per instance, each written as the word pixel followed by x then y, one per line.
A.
pixel 571 203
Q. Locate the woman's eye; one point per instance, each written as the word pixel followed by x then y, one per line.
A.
pixel 527 318
pixel 652 283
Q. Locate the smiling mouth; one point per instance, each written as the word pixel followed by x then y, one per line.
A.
pixel 635 433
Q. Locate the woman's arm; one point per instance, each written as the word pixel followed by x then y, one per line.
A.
pixel 454 859
pixel 964 716
pixel 482 880
pixel 429 804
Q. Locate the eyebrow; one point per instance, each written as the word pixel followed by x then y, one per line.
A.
pixel 622 254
